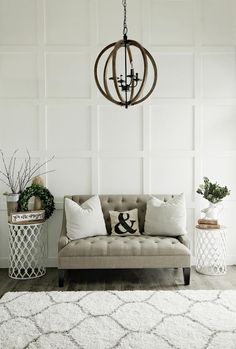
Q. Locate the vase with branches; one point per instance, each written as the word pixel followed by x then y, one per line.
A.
pixel 214 193
pixel 17 176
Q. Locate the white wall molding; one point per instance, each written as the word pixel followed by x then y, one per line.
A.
pixel 165 145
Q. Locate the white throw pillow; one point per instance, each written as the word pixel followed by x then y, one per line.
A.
pixel 124 223
pixel 166 218
pixel 84 220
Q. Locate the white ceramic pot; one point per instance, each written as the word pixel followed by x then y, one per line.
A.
pixel 212 211
pixel 12 203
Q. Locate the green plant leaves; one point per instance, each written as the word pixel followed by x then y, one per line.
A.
pixel 41 192
pixel 212 192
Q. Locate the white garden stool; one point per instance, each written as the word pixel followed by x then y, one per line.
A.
pixel 28 249
pixel 211 251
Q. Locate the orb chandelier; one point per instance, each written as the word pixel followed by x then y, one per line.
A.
pixel 128 87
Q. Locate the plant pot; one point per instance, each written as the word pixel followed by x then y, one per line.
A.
pixel 12 203
pixel 212 211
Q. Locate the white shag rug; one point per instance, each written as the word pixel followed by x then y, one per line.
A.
pixel 118 319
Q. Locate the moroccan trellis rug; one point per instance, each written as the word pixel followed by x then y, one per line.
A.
pixel 118 319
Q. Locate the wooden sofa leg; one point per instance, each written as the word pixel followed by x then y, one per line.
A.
pixel 61 277
pixel 186 272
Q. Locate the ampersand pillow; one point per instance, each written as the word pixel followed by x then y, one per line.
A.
pixel 124 223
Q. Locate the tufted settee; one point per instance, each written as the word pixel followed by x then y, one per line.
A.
pixel 125 252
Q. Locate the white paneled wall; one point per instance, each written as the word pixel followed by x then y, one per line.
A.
pixel 49 102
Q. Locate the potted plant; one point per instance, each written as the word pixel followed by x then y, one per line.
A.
pixel 16 177
pixel 214 193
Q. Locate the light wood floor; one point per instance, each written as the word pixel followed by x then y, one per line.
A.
pixel 136 279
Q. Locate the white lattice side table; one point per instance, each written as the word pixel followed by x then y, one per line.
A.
pixel 27 250
pixel 211 251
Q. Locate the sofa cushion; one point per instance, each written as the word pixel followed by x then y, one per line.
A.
pixel 125 246
pixel 166 218
pixel 124 223
pixel 84 220
pixel 121 203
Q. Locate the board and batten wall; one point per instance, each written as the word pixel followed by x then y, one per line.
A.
pixel 49 102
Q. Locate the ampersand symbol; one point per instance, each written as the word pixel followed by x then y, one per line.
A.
pixel 123 218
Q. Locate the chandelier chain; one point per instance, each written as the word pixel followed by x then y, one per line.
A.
pixel 125 27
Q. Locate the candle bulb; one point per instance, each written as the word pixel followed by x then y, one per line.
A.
pixel 37 202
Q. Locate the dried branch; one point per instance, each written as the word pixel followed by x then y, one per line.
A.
pixel 4 174
pixel 4 162
pixel 7 171
pixel 19 175
pixel 31 174
pixel 12 172
pixel 5 182
pixel 24 175
pixel 18 180
pixel 11 169
pixel 41 174
pixel 35 166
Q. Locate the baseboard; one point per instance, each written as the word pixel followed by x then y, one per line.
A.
pixel 231 260
pixel 52 261
pixel 3 262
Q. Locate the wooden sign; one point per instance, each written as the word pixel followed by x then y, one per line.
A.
pixel 27 217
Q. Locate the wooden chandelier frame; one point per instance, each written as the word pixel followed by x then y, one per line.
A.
pixel 133 98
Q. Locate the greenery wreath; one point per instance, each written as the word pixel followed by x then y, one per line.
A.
pixel 43 194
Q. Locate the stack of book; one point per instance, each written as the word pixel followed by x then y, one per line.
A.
pixel 208 224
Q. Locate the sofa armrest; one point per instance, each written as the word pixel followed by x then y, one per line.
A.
pixel 63 239
pixel 184 240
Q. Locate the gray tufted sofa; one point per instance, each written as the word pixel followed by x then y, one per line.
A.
pixel 113 252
